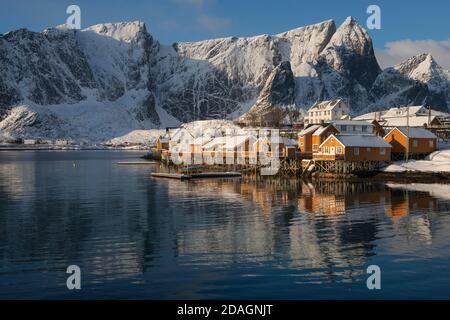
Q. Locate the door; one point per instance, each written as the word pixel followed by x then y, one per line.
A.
pixel 333 150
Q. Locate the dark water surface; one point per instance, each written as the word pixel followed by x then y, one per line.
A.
pixel 138 237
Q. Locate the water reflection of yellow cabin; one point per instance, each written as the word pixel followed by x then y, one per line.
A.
pixel 401 206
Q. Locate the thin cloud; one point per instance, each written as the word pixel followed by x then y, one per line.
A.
pixel 399 51
pixel 213 24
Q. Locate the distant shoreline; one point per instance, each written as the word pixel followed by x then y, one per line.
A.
pixel 68 148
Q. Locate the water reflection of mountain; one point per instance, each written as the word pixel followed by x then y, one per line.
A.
pixel 323 225
pixel 118 222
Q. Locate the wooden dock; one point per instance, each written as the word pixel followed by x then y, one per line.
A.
pixel 203 175
pixel 177 176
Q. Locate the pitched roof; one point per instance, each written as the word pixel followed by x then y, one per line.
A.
pixel 363 141
pixel 415 121
pixel 321 130
pixel 325 105
pixel 417 133
pixel 236 141
pixel 219 141
pixel 351 123
pixel 309 129
pixel 286 141
pixel 413 110
pixel 201 140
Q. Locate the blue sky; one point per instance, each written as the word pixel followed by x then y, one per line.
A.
pixel 424 24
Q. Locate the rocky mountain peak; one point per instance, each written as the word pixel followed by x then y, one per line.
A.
pixel 277 94
pixel 422 67
pixel 121 31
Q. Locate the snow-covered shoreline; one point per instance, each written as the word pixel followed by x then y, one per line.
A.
pixel 436 162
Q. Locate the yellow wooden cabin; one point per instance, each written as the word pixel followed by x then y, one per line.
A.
pixel 413 140
pixel 354 148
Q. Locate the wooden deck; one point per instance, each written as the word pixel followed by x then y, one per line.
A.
pixel 203 175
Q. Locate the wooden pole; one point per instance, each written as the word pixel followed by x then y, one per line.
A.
pixel 407 134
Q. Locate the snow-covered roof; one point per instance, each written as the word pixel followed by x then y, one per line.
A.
pixel 326 105
pixel 201 140
pixel 180 133
pixel 309 129
pixel 392 113
pixel 351 123
pixel 321 130
pixel 219 141
pixel 286 141
pixel 417 133
pixel 236 141
pixel 398 111
pixel 415 121
pixel 362 141
pixel 370 116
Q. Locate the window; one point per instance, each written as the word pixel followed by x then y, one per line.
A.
pixel 364 129
pixel 356 151
pixel 315 147
pixel 369 150
pixel 343 128
pixel 431 143
pixel 415 143
pixel 382 151
pixel 354 128
pixel 339 150
pixel 327 150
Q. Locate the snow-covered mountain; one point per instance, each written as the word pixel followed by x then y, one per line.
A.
pixel 109 79
pixel 417 81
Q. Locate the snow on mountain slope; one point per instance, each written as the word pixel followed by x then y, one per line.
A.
pixel 416 81
pixel 99 82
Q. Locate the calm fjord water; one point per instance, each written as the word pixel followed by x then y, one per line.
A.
pixel 138 237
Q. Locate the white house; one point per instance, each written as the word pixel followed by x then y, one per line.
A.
pixel 326 111
pixel 354 127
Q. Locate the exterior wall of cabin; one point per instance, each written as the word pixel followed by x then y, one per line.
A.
pixel 162 145
pixel 333 150
pixel 367 154
pixel 318 140
pixel 305 143
pixel 399 143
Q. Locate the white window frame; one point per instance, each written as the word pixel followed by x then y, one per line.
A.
pixel 339 150
pixel 382 151
pixel 415 143
pixel 327 150
pixel 356 151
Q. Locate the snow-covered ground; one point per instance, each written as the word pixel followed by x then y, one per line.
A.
pixel 438 161
pixel 144 137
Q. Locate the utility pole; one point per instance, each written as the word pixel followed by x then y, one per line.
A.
pixel 407 134
pixel 429 116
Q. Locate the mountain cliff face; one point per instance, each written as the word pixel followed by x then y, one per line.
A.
pixel 417 81
pixel 109 79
